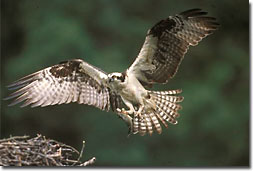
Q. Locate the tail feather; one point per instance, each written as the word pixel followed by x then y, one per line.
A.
pixel 161 119
pixel 169 92
pixel 149 123
pixel 155 123
pixel 166 110
pixel 146 124
pixel 142 127
pixel 167 103
pixel 166 116
pixel 173 99
pixel 169 111
pixel 135 125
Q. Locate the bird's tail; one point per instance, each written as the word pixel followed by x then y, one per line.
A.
pixel 167 107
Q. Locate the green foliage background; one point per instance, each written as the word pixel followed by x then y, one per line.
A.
pixel 213 129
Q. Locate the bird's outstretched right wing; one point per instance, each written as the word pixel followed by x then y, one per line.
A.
pixel 69 81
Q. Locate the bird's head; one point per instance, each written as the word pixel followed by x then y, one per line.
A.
pixel 116 78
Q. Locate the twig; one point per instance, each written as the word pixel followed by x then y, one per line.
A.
pixel 81 154
pixel 89 162
pixel 14 138
pixel 39 151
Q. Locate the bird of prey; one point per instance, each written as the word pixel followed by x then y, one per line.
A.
pixel 160 56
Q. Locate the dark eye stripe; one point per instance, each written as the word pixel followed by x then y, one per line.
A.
pixel 121 78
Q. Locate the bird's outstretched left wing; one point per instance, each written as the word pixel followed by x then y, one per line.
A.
pixel 69 81
pixel 166 44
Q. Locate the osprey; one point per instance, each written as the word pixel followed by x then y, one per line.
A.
pixel 77 81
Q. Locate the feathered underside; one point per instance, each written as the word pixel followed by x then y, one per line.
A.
pixel 167 42
pixel 69 81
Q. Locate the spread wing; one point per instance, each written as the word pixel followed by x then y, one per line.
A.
pixel 166 44
pixel 69 81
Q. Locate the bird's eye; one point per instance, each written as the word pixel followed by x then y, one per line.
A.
pixel 122 79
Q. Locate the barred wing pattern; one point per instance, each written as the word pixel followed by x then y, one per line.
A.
pixel 69 81
pixel 167 42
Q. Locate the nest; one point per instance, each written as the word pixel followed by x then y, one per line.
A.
pixel 39 151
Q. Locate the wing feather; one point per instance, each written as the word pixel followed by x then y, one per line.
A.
pixel 69 81
pixel 167 42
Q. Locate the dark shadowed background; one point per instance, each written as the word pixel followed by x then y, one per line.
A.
pixel 213 128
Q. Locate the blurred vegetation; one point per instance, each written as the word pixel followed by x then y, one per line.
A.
pixel 213 129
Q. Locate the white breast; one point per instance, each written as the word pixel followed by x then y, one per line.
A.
pixel 133 90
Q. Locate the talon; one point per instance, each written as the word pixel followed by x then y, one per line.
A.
pixel 121 111
pixel 138 114
pixel 118 110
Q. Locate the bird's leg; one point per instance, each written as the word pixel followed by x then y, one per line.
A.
pixel 127 112
pixel 138 113
pixel 140 109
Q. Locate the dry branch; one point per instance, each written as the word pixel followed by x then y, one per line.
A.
pixel 39 151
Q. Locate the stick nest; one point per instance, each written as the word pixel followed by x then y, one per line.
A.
pixel 39 151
